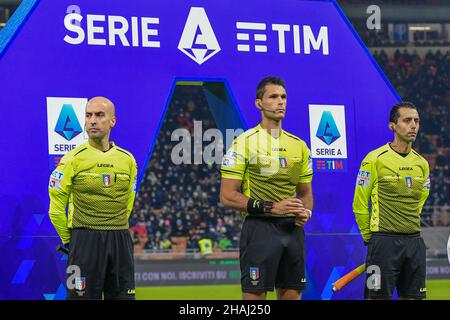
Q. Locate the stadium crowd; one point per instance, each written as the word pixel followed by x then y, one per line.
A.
pixel 178 205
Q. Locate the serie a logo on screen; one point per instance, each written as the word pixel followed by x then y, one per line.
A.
pixel 65 123
pixel 328 137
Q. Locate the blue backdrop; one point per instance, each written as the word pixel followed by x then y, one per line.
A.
pixel 133 52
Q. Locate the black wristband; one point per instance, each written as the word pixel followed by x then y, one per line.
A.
pixel 257 207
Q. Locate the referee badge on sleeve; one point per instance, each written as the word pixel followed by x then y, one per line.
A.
pixel 135 184
pixel 427 184
pixel 229 159
pixel 363 179
pixel 55 180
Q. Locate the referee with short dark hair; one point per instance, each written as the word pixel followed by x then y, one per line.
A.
pixel 392 186
pixel 96 182
pixel 262 173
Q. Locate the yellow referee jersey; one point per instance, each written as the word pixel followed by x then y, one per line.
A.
pixel 270 168
pixel 97 187
pixel 396 188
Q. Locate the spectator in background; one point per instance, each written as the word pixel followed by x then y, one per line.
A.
pixel 426 80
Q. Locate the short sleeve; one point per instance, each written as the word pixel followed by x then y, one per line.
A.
pixel 306 171
pixel 234 162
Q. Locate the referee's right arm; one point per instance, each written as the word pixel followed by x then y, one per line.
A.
pixel 234 164
pixel 231 196
pixel 363 191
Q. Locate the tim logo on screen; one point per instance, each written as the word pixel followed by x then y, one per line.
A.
pixel 328 138
pixel 65 124
pixel 198 40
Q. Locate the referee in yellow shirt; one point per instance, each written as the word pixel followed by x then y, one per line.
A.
pixel 96 182
pixel 394 180
pixel 262 173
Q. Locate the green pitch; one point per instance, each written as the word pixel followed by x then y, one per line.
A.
pixel 436 290
pixel 217 292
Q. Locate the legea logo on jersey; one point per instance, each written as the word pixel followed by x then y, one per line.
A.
pixel 198 40
pixel 65 123
pixel 328 137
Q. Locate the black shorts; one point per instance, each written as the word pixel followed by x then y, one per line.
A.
pixel 402 264
pixel 272 254
pixel 100 262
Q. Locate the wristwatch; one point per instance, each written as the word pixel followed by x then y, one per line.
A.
pixel 310 213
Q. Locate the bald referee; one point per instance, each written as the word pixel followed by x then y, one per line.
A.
pixel 263 172
pixel 394 180
pixel 96 183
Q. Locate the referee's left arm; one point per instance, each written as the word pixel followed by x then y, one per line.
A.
pixel 426 186
pixel 304 185
pixel 132 187
pixel 304 191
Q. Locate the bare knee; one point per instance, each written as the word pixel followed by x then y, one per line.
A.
pixel 254 296
pixel 289 294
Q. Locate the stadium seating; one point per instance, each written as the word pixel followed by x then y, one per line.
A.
pixel 178 205
pixel 425 81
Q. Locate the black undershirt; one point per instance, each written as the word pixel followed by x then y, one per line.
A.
pixel 402 154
